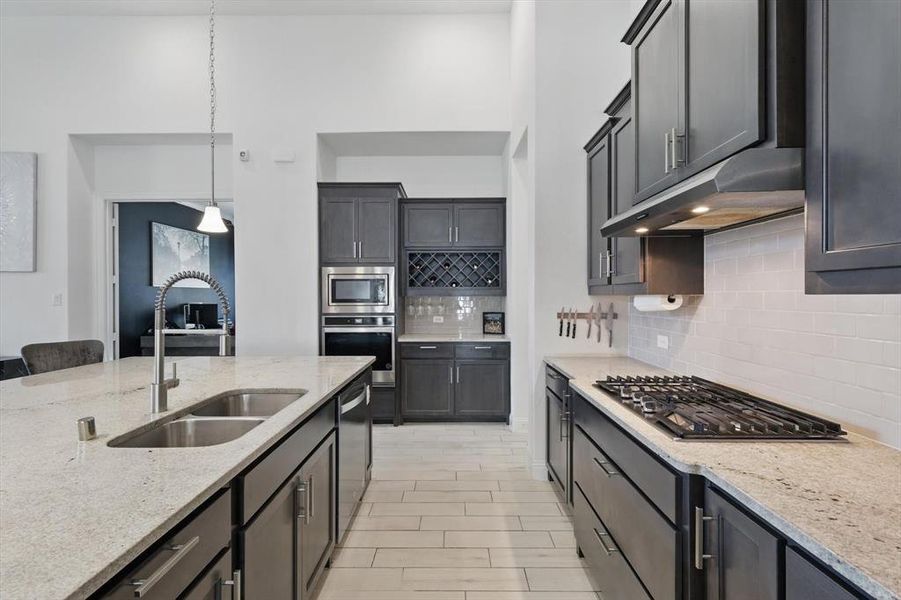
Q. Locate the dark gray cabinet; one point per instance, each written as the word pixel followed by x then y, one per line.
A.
pixel 358 223
pixel 744 555
pixel 598 149
pixel 427 388
pixel 805 581
pixel 463 381
pixel 287 544
pixel 383 404
pixel 853 183
pixel 656 71
pixel 558 446
pixel 428 225
pixel 710 79
pixel 442 223
pixel 631 265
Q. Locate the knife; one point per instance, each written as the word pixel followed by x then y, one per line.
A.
pixel 590 318
pixel 575 322
pixel 561 315
pixel 610 317
pixel 597 321
pixel 569 318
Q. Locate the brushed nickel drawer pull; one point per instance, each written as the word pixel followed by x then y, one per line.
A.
pixel 428 347
pixel 143 586
pixel 235 584
pixel 602 465
pixel 481 347
pixel 607 550
pixel 700 519
pixel 302 500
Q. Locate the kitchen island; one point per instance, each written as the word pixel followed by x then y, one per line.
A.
pixel 74 514
pixel 838 501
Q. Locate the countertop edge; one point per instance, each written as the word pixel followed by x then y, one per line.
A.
pixel 412 338
pixel 96 581
pixel 852 573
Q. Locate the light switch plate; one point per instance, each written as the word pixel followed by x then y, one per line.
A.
pixel 663 342
pixel 437 319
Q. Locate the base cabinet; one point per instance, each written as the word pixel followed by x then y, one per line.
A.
pixel 558 447
pixel 805 581
pixel 455 381
pixel 316 522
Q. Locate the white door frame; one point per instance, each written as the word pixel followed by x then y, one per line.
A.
pixel 106 267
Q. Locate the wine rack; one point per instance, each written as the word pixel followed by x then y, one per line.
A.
pixel 455 272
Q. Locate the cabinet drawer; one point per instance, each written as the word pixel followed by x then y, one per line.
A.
pixel 556 381
pixel 180 556
pixel 211 585
pixel 426 350
pixel 482 350
pixel 654 479
pixel 260 481
pixel 805 581
pixel 606 566
pixel 646 539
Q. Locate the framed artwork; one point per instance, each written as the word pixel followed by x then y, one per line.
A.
pixel 18 204
pixel 493 323
pixel 174 249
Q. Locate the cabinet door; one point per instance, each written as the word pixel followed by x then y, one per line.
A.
pixel 598 212
pixel 427 388
pixel 383 404
pixel 656 62
pixel 853 182
pixel 478 225
pixel 337 231
pixel 268 546
pixel 212 584
pixel 626 252
pixel 724 92
pixel 482 388
pixel 316 529
pixel 375 230
pixel 429 225
pixel 805 581
pixel 745 561
pixel 557 442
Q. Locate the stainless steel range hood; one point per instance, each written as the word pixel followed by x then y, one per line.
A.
pixel 753 184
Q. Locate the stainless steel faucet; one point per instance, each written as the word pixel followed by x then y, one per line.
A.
pixel 159 389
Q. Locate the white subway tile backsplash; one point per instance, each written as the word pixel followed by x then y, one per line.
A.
pixel 835 355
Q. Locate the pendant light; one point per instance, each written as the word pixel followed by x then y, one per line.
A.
pixel 212 217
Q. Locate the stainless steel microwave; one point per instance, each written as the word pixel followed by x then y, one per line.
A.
pixel 358 290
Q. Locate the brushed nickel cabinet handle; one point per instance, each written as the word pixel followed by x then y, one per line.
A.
pixel 302 499
pixel 607 549
pixel 602 465
pixel 235 584
pixel 481 347
pixel 456 234
pixel 450 235
pixel 428 347
pixel 311 501
pixel 143 586
pixel 458 373
pixel 666 152
pixel 700 519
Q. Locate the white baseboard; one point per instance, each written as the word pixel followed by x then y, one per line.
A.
pixel 519 425
pixel 539 471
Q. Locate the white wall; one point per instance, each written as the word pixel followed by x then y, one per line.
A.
pixel 754 328
pixel 430 176
pixel 580 65
pixel 280 80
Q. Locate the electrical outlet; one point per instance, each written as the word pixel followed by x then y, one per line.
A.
pixel 57 300
pixel 663 342
pixel 437 319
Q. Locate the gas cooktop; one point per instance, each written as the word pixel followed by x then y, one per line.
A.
pixel 692 408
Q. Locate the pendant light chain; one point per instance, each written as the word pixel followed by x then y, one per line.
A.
pixel 213 101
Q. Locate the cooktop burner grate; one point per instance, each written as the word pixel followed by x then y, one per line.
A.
pixel 697 409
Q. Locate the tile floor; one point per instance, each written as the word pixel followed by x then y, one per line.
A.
pixel 453 514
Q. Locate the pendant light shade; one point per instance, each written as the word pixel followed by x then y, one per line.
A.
pixel 212 221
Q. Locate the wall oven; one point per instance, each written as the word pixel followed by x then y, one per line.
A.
pixel 358 290
pixel 350 335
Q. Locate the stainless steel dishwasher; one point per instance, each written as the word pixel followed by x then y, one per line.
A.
pixel 354 450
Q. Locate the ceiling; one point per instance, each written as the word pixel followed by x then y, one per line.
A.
pixel 246 7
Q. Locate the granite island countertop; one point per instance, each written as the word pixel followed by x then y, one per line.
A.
pixel 840 501
pixel 451 337
pixel 73 514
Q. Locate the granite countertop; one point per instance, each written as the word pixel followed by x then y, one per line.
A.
pixel 73 514
pixel 451 337
pixel 841 501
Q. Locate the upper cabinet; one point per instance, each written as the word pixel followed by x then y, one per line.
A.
pixel 631 265
pixel 710 78
pixel 450 223
pixel 358 223
pixel 853 179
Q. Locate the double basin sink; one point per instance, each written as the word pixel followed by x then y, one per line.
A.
pixel 217 420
